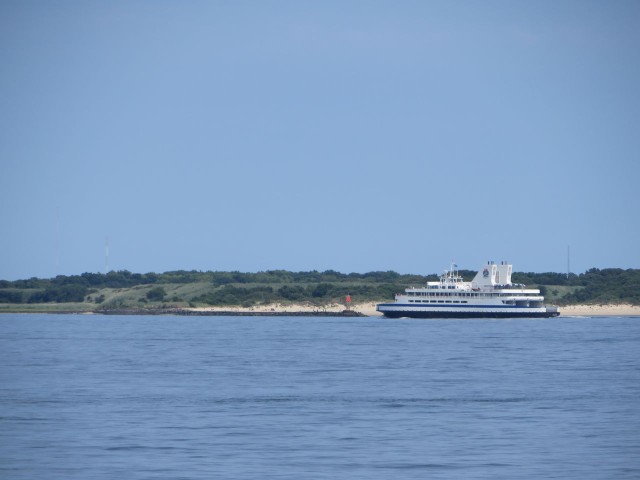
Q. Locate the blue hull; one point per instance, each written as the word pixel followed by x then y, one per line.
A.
pixel 506 314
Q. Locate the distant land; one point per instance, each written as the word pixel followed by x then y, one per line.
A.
pixel 280 290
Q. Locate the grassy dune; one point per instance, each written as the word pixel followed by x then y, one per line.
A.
pixel 180 295
pixel 556 292
pixel 181 289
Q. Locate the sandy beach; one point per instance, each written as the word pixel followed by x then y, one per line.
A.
pixel 364 308
pixel 369 309
pixel 623 310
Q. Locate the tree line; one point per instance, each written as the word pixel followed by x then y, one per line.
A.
pixel 611 285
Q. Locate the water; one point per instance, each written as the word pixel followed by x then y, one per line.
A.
pixel 101 397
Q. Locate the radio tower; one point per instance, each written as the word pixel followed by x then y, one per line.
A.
pixel 568 260
pixel 57 240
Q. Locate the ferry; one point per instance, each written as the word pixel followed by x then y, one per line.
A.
pixel 490 294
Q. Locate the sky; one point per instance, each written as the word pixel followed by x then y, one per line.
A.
pixel 347 135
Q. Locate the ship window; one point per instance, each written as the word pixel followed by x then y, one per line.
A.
pixel 464 301
pixel 448 301
pixel 440 301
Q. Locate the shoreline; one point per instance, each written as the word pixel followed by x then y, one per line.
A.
pixel 360 309
pixel 369 309
pixel 614 310
pixel 186 312
pixel 357 310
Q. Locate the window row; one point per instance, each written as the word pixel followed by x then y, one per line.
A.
pixel 438 301
pixel 469 294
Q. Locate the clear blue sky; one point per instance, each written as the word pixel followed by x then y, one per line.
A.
pixel 355 136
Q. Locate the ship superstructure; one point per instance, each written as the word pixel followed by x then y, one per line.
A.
pixel 490 294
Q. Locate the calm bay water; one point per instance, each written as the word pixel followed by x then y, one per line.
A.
pixel 101 397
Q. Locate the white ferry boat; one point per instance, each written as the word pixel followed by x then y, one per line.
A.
pixel 489 295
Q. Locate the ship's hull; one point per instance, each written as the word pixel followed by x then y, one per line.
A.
pixel 396 311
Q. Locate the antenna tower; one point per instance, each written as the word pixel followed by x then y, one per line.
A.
pixel 57 240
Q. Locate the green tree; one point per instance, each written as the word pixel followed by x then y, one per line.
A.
pixel 156 294
pixel 321 290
